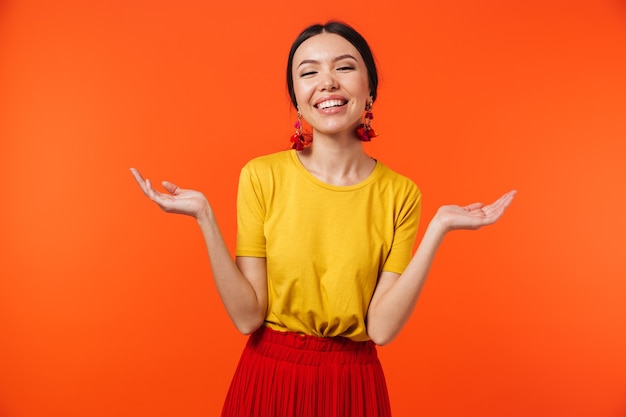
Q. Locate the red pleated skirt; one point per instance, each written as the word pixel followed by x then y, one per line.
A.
pixel 288 375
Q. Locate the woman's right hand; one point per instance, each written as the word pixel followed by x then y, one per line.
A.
pixel 176 200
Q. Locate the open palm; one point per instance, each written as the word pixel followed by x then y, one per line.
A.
pixel 176 200
pixel 475 215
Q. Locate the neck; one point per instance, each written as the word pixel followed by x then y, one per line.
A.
pixel 337 161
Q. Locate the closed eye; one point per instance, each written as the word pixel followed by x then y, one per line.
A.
pixel 308 73
pixel 345 68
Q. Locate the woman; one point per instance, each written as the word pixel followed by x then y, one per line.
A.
pixel 323 268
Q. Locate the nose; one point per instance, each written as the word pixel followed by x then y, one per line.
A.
pixel 328 82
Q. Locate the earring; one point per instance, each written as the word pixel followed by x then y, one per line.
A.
pixel 365 131
pixel 298 139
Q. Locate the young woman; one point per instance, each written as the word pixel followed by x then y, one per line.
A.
pixel 323 270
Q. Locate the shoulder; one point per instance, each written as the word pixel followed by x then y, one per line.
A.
pixel 265 171
pixel 397 183
pixel 271 161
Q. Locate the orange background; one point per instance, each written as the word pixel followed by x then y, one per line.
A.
pixel 107 306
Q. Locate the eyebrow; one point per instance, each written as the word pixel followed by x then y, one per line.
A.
pixel 338 58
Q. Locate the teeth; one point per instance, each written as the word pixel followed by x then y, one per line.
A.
pixel 329 103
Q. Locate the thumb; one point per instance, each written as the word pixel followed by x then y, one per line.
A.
pixel 473 206
pixel 170 187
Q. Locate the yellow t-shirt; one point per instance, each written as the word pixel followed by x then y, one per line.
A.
pixel 325 245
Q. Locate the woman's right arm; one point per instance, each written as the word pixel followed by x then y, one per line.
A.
pixel 242 285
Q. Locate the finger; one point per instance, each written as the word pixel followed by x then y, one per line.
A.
pixel 501 205
pixel 496 210
pixel 137 177
pixel 170 187
pixel 151 192
pixel 489 214
pixel 508 197
pixel 143 184
pixel 473 206
pixel 135 172
pixel 503 202
pixel 162 200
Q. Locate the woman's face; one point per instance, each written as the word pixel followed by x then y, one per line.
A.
pixel 330 83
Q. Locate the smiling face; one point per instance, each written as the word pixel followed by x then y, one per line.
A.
pixel 330 83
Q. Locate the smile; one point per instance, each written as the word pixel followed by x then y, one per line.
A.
pixel 330 103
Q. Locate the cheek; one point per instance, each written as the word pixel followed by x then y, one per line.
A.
pixel 302 91
pixel 365 86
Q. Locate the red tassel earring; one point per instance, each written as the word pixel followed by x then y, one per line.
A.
pixel 365 132
pixel 298 139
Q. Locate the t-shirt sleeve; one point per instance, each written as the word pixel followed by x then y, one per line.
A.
pixel 405 231
pixel 250 215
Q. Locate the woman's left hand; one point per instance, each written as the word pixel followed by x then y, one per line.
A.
pixel 473 216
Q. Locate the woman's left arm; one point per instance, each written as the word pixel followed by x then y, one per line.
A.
pixel 396 295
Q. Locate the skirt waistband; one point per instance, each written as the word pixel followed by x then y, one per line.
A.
pixel 311 350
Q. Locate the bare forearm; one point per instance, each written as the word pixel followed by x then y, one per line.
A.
pixel 390 310
pixel 395 297
pixel 243 289
pixel 245 307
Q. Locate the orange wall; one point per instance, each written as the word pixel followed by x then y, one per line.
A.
pixel 107 307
